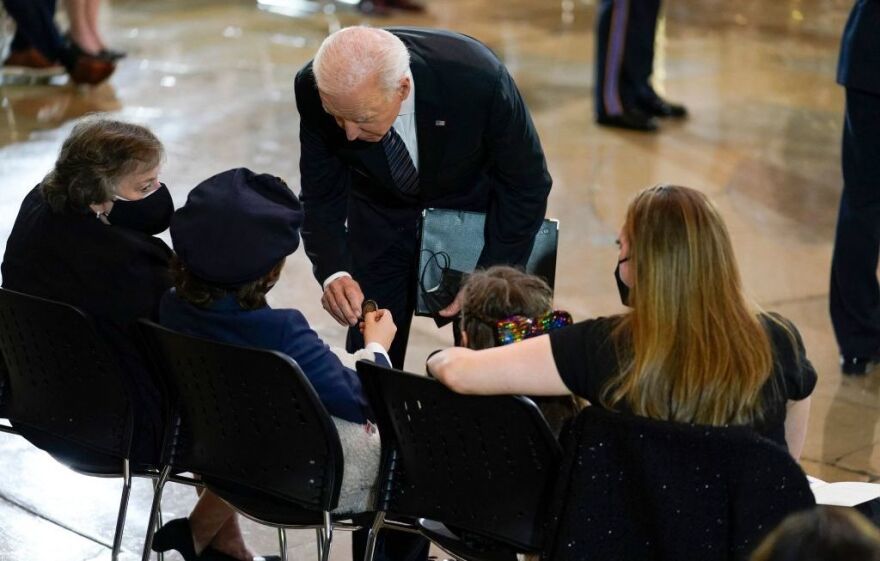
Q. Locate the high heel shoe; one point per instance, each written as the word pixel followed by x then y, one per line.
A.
pixel 112 55
pixel 211 554
pixel 176 534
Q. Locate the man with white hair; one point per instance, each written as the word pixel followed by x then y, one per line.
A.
pixel 395 121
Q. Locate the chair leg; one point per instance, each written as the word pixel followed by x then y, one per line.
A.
pixel 154 512
pixel 160 556
pixel 123 510
pixel 372 535
pixel 319 541
pixel 327 540
pixel 282 543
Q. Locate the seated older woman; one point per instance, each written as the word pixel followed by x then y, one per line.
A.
pixel 221 277
pixel 691 349
pixel 85 236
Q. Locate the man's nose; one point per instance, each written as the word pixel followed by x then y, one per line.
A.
pixel 351 130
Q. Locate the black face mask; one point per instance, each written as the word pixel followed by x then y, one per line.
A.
pixel 622 288
pixel 150 215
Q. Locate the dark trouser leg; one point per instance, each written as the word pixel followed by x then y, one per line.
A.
pixel 19 42
pixel 390 281
pixel 624 49
pixel 35 21
pixel 855 294
pixel 641 46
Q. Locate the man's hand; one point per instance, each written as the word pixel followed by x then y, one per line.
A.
pixel 343 299
pixel 452 309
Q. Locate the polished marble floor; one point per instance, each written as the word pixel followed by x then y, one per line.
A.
pixel 214 79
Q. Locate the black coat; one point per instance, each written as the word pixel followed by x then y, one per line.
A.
pixel 114 274
pixel 860 48
pixel 478 150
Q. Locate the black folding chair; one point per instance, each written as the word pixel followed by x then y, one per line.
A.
pixel 637 489
pixel 4 393
pixel 62 390
pixel 250 424
pixel 476 472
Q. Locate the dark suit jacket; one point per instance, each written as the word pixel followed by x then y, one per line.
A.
pixel 859 65
pixel 478 150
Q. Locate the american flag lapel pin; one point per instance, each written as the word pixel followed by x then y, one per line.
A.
pixel 439 123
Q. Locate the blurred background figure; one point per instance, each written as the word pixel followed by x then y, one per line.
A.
pixel 84 36
pixel 39 49
pixel 855 293
pixel 385 7
pixel 624 96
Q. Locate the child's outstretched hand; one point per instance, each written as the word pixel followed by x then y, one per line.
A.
pixel 378 327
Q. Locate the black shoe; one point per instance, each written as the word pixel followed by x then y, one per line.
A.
pixel 857 365
pixel 374 8
pixel 176 534
pixel 112 54
pixel 632 119
pixel 659 107
pixel 211 554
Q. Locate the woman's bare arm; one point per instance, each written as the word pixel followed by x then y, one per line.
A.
pixel 796 416
pixel 525 368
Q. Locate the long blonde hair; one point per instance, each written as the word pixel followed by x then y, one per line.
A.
pixel 691 348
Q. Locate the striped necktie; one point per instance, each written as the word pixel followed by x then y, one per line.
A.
pixel 403 172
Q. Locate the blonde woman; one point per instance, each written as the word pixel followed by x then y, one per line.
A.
pixel 690 349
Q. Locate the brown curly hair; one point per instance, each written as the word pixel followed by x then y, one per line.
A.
pixel 202 294
pixel 496 293
pixel 94 157
pixel 500 292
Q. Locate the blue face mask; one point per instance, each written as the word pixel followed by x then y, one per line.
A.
pixel 622 288
pixel 150 215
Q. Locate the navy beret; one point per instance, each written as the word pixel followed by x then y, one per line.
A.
pixel 236 226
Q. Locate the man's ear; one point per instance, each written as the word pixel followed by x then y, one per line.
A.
pixel 404 88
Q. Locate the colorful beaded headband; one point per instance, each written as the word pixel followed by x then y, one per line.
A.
pixel 516 328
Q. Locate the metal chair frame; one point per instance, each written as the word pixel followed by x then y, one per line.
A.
pixel 324 530
pixel 391 457
pixel 125 472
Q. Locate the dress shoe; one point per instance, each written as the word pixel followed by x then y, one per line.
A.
pixel 31 62
pixel 857 365
pixel 659 107
pixel 406 5
pixel 176 534
pixel 632 119
pixel 112 54
pixel 374 8
pixel 211 554
pixel 91 70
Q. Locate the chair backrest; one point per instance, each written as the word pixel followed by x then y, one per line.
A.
pixel 62 380
pixel 632 488
pixel 481 464
pixel 246 417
